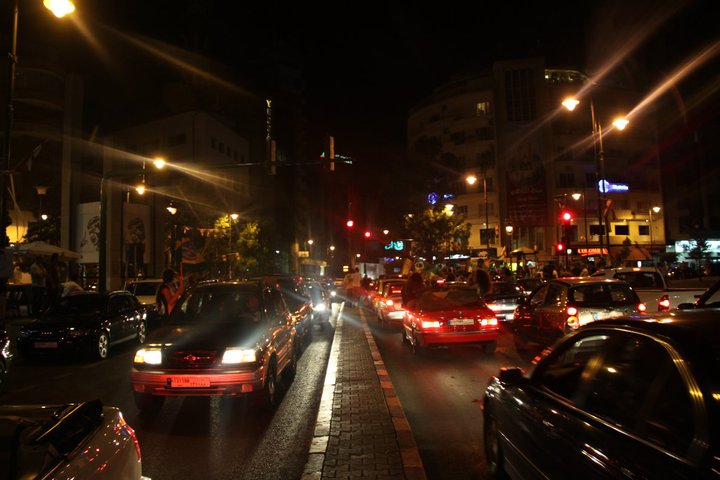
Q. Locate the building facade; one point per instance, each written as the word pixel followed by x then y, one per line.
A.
pixel 534 160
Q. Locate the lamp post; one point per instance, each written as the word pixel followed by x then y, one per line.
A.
pixel 172 210
pixel 231 218
pixel 509 231
pixel 597 135
pixel 102 246
pixel 576 197
pixel 655 210
pixel 471 180
pixel 60 8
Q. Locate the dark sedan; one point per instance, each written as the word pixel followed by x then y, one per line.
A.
pixel 87 322
pixel 633 397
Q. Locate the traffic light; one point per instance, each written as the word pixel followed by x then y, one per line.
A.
pixel 350 223
pixel 560 248
pixel 566 216
pixel 367 233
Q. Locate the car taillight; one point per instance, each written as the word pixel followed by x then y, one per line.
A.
pixel 489 322
pixel 664 303
pixel 642 307
pixel 389 302
pixel 427 324
pixel 572 319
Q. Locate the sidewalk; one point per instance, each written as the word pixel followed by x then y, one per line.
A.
pixel 361 429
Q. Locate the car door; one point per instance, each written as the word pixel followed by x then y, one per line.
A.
pixel 551 315
pixel 281 326
pixel 535 415
pixel 115 319
pixel 526 322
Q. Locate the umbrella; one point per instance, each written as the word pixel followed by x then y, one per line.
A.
pixel 42 248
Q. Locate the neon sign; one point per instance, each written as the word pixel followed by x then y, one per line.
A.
pixel 604 187
pixel 395 245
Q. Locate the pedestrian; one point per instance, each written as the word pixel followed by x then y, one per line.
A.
pixel 6 272
pixel 483 281
pixel 168 293
pixel 72 286
pixel 412 290
pixel 38 276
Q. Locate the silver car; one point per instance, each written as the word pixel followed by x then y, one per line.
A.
pixel 75 441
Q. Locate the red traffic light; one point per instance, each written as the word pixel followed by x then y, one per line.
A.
pixel 566 216
pixel 560 247
pixel 350 223
pixel 367 234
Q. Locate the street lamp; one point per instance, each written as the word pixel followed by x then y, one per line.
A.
pixel 597 135
pixel 509 231
pixel 60 8
pixel 231 218
pixel 576 197
pixel 172 210
pixel 471 180
pixel 102 245
pixel 655 210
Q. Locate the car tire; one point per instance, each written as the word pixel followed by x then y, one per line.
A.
pixel 417 349
pixel 141 333
pixel 270 395
pixel 493 449
pixel 148 403
pixel 490 347
pixel 102 346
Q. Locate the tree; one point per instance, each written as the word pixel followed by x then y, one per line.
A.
pixel 243 244
pixel 437 232
pixel 47 231
pixel 698 251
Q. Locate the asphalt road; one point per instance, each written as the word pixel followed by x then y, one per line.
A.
pixel 441 391
pixel 193 437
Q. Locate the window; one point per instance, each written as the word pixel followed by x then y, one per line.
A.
pixel 597 229
pixel 590 179
pixel 520 95
pixel 487 236
pixel 644 230
pixel 489 184
pixel 622 230
pixel 566 180
pixel 482 109
pixel 563 371
pixel 554 295
pixel 539 296
pixel 462 209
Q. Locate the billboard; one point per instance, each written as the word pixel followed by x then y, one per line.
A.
pixel 526 186
pixel 87 231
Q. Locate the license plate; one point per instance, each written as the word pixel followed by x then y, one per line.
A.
pixel 189 382
pixel 461 321
pixel 46 344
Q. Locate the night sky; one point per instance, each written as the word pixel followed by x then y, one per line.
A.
pixel 364 64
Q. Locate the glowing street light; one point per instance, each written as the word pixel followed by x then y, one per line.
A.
pixel 570 103
pixel 59 8
pixel 620 123
pixel 159 163
pixel 386 231
pixel 471 179
pixel 234 216
pixel 172 209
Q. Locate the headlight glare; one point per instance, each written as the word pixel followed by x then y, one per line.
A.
pixel 238 355
pixel 148 356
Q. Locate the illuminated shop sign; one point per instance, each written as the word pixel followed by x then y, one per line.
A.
pixel 395 245
pixel 606 187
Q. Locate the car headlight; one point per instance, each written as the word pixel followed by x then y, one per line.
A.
pixel 333 293
pixel 238 355
pixel 320 307
pixel 148 356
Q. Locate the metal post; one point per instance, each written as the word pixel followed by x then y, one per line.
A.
pixel 600 177
pixel 487 217
pixel 4 177
pixel 652 243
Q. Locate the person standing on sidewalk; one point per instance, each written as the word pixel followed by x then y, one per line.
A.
pixel 168 294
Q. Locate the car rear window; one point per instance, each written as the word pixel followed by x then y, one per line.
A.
pixel 603 294
pixel 641 279
pixel 447 300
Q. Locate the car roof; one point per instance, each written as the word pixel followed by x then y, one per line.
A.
pixel 704 322
pixel 145 280
pixel 573 281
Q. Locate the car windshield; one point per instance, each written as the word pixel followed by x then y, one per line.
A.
pixel 448 300
pixel 143 289
pixel 641 279
pixel 219 304
pixel 79 304
pixel 603 294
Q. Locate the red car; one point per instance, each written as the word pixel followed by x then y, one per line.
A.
pixel 450 317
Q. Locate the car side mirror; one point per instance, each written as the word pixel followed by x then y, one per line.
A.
pixel 511 376
pixel 686 306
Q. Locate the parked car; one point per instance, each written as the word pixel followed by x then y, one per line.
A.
pixel 145 290
pixel 503 299
pixel 652 287
pixel 298 301
pixel 633 397
pixel 372 299
pixel 709 299
pixel 390 310
pixel 5 358
pixel 564 304
pixel 228 339
pixel 74 441
pixel 86 322
pixel 320 302
pixel 450 317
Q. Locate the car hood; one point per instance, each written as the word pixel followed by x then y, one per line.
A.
pixel 209 335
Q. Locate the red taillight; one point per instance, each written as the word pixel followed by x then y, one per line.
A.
pixel 642 307
pixel 389 302
pixel 430 324
pixel 664 304
pixel 572 311
pixel 572 319
pixel 489 322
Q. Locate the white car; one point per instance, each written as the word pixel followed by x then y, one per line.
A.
pixel 78 441
pixel 145 290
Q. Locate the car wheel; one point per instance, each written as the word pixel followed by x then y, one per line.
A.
pixel 493 449
pixel 148 403
pixel 270 396
pixel 102 346
pixel 490 347
pixel 141 333
pixel 416 347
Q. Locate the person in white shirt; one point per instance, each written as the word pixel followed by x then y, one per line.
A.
pixel 72 287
